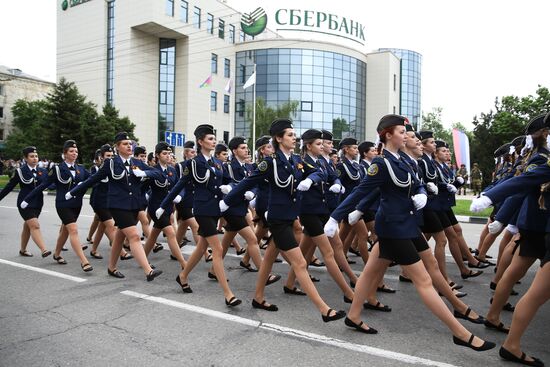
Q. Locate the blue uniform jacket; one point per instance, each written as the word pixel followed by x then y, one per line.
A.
pixel 350 174
pixel 314 201
pixel 207 177
pixel 234 172
pixel 124 188
pixel 429 173
pixel 160 187
pixel 333 199
pixel 283 176
pixel 61 176
pixel 27 183
pixel 395 217
pixel 372 200
pixel 189 189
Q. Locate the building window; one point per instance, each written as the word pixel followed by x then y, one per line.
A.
pixel 221 29
pixel 167 86
pixel 307 106
pixel 197 17
pixel 1 134
pixel 184 11
pixel 231 33
pixel 214 64
pixel 110 50
pixel 243 74
pixel 239 106
pixel 394 82
pixel 241 36
pixel 210 23
pixel 226 103
pixel 213 101
pixel 227 68
pixel 1 90
pixel 170 7
pixel 1 112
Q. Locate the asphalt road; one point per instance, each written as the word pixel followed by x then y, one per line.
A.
pixel 91 319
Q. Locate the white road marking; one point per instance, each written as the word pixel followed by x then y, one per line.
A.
pixel 43 271
pixel 401 357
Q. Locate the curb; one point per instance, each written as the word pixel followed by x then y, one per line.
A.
pixel 473 220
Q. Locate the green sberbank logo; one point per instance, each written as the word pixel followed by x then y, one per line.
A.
pixel 254 23
pixel 70 3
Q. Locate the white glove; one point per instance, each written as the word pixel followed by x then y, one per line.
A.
pixel 159 212
pixel 139 173
pixel 331 227
pixel 225 189
pixel 177 199
pixel 147 196
pixel 223 206
pixel 336 188
pixel 252 203
pixel 495 227
pixel 460 180
pixel 305 184
pixel 478 204
pixel 419 201
pixel 512 229
pixel 343 191
pixel 24 204
pixel 432 188
pixel 249 195
pixel 265 215
pixel 354 217
pixel 68 196
pixel 451 189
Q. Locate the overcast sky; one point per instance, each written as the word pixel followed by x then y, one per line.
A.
pixel 473 51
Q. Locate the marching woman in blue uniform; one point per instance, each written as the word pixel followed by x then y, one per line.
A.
pixel 100 205
pixel 184 208
pixel 28 176
pixel 125 175
pixel 287 176
pixel 531 223
pixel 399 238
pixel 314 213
pixel 95 222
pixel 66 176
pixel 159 189
pixel 539 291
pixel 206 172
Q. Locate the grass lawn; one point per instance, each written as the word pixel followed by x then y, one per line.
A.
pixel 463 208
pixel 3 180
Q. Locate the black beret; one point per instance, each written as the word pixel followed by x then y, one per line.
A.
pixel 279 125
pixel 236 141
pixel 418 136
pixel 29 150
pixel 502 150
pixel 365 146
pixel 347 141
pixel 97 154
pixel 518 141
pixel 312 134
pixel 162 146
pixel 327 135
pixel 440 144
pixel 69 144
pixel 140 150
pixel 333 151
pixel 409 127
pixel 220 148
pixel 547 119
pixel 535 124
pixel 262 141
pixel 202 130
pixel 389 121
pixel 189 144
pixel 122 136
pixel 105 148
pixel 150 156
pixel 426 134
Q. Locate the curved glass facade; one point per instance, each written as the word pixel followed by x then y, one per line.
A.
pixel 329 89
pixel 411 74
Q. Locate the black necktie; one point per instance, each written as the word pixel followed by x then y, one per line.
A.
pixel 127 163
pixel 33 171
pixel 291 161
pixel 210 162
pixel 72 168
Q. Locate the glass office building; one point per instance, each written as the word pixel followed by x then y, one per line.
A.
pixel 411 73
pixel 328 88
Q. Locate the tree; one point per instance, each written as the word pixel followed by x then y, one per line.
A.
pixel 26 118
pixel 339 125
pixel 432 122
pixel 266 114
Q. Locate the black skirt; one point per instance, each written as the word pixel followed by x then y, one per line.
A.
pixel 313 224
pixel 402 251
pixel 532 244
pixel 184 213
pixel 235 223
pixel 103 214
pixel 282 232
pixel 208 226
pixel 124 218
pixel 68 215
pixel 432 223
pixel 29 213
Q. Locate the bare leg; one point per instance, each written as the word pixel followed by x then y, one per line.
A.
pixel 173 244
pixel 504 261
pixel 97 237
pixel 25 236
pixel 36 234
pixel 93 228
pixel 72 229
pixel 439 252
pixel 194 259
pixel 328 256
pixel 135 245
pixel 340 257
pixel 61 239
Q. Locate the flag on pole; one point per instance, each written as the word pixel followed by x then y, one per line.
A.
pixel 251 81
pixel 228 86
pixel 207 82
pixel 462 148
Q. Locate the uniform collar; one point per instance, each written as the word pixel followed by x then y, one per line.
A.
pixel 367 161
pixel 395 155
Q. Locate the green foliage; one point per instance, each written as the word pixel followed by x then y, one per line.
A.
pixel 64 114
pixel 266 114
pixel 508 120
pixel 339 125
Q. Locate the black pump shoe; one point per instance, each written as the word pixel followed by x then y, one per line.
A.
pixel 358 327
pixel 234 301
pixel 507 355
pixel 337 315
pixel 262 306
pixel 485 346
pixel 184 287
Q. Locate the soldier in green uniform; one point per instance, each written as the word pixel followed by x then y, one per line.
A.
pixel 462 172
pixel 477 177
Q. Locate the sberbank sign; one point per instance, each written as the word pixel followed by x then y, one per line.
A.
pixel 70 3
pixel 320 22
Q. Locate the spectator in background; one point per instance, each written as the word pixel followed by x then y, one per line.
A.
pixel 462 172
pixel 477 178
